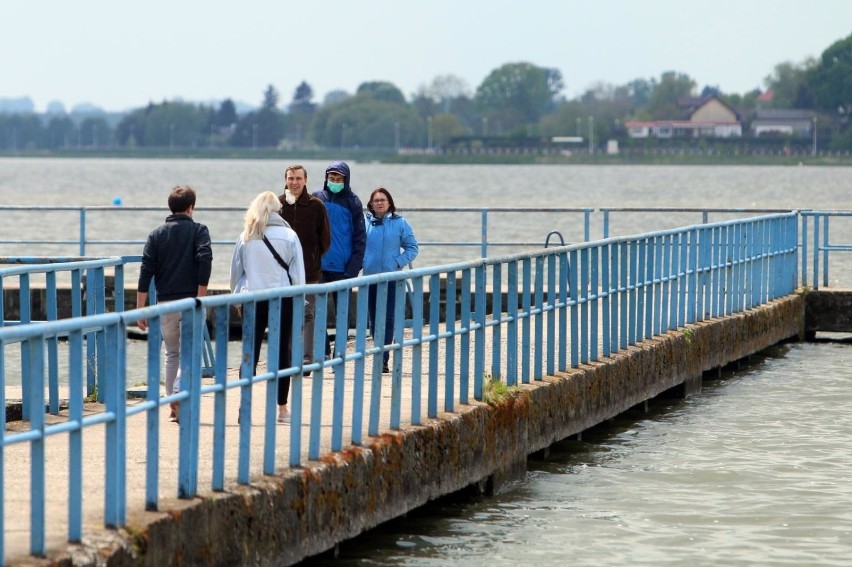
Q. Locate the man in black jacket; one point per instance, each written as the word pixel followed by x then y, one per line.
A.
pixel 178 256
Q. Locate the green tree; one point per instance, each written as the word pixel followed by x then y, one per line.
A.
pixel 603 108
pixel 663 103
pixel 444 90
pixel 302 109
pixel 168 124
pixel 95 132
pixel 639 91
pixel 363 121
pixel 61 132
pixel 831 78
pixel 20 131
pixel 270 97
pixel 517 94
pixel 130 131
pixel 446 126
pixel 381 90
pixel 263 128
pixel 747 101
pixel 226 116
pixel 789 85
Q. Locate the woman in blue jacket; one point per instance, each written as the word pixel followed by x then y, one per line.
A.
pixel 390 247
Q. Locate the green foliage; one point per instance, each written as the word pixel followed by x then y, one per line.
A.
pixel 363 121
pixel 495 392
pixel 95 132
pixel 263 128
pixel 226 115
pixel 382 90
pixel 516 105
pixel 518 93
pixel 93 397
pixel 672 86
pixel 446 127
pixel 166 125
pixel 20 132
pixel 831 78
pixel 270 98
pixel 789 85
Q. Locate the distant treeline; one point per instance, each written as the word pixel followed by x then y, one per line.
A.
pixel 516 101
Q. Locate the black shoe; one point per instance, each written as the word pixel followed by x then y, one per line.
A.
pixel 385 368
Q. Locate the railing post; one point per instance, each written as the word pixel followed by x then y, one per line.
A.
pixel 82 232
pixel 804 248
pixel 479 335
pixel 816 250
pixel 825 250
pixel 113 387
pixel 25 316
pixel 35 403
pixel 484 242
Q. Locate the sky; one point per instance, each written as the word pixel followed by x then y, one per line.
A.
pixel 123 55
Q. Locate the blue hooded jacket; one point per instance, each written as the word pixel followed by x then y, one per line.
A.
pixel 346 218
pixel 391 244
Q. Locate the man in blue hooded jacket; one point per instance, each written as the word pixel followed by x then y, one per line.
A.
pixel 348 233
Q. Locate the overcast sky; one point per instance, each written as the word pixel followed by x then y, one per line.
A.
pixel 121 55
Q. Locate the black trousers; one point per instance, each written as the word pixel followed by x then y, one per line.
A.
pixel 260 324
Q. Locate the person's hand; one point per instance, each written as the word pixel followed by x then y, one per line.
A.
pixel 142 324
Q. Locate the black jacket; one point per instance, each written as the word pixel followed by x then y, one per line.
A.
pixel 179 256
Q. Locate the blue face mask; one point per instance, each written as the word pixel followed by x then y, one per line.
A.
pixel 334 187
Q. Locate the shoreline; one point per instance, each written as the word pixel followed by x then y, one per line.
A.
pixel 356 155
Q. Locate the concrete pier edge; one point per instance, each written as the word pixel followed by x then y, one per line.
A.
pixel 279 520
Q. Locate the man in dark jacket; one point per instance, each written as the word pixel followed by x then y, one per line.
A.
pixel 348 233
pixel 307 217
pixel 178 256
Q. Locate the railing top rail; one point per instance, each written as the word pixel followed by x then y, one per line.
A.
pixel 66 264
pixel 501 209
pixel 48 259
pixel 695 209
pixel 242 209
pixel 828 212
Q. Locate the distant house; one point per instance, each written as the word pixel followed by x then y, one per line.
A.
pixel 782 122
pixel 708 117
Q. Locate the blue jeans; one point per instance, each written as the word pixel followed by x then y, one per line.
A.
pixel 326 278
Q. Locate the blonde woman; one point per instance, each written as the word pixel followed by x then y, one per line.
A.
pixel 268 255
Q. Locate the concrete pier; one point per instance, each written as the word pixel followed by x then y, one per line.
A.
pixel 281 519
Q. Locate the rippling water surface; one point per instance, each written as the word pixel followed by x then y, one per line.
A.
pixel 234 183
pixel 755 470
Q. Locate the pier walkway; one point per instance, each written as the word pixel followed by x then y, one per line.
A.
pixel 582 333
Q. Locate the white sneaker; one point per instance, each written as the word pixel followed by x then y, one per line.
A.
pixel 283 416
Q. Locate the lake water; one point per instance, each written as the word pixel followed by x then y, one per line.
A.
pixel 234 183
pixel 754 470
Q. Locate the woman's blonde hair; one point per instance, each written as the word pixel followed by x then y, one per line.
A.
pixel 258 213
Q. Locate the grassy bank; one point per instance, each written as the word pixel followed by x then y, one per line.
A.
pixel 360 155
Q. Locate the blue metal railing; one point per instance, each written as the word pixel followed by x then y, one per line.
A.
pixel 820 247
pixel 84 241
pixel 104 221
pixel 87 297
pixel 549 309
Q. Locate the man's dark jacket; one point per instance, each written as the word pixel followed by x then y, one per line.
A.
pixel 179 256
pixel 307 217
